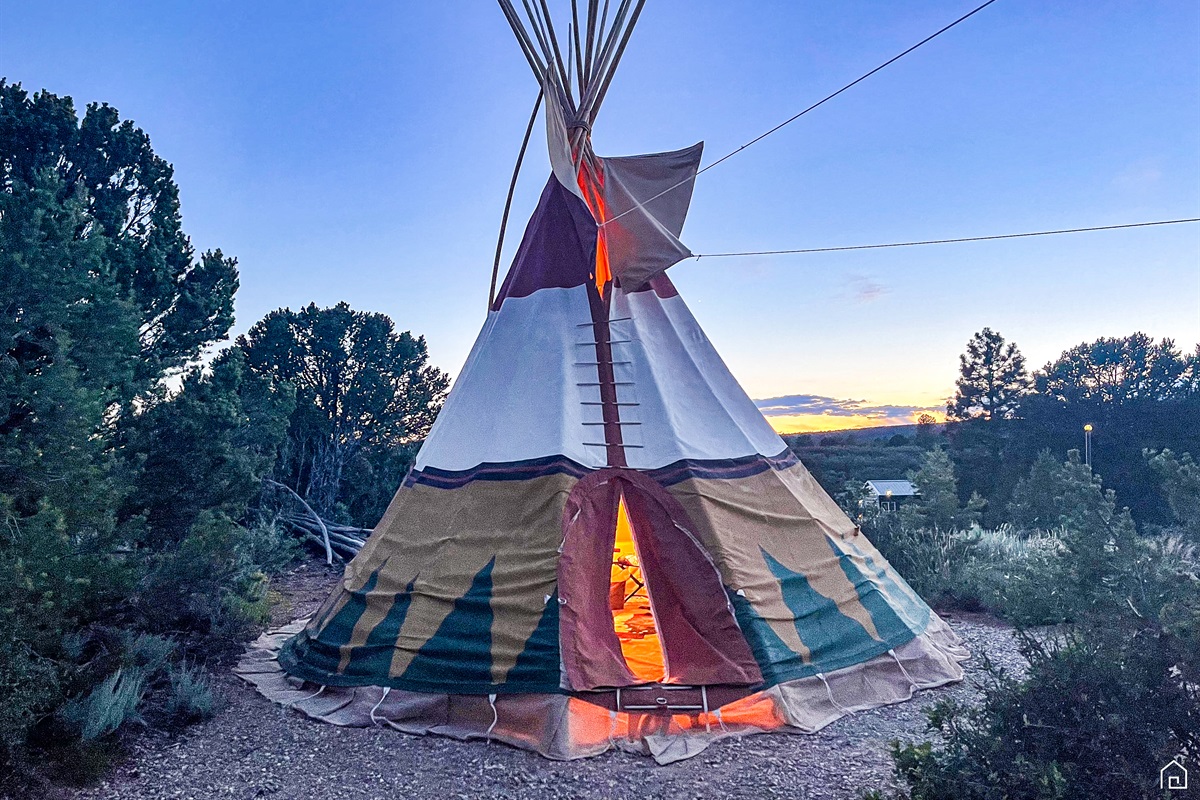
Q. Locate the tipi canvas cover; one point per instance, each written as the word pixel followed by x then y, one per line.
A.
pixel 602 543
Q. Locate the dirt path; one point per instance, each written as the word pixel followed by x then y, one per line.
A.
pixel 254 749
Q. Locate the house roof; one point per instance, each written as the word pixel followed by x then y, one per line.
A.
pixel 894 488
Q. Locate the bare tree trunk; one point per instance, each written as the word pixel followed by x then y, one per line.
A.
pixel 325 478
pixel 320 522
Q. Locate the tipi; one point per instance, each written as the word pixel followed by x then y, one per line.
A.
pixel 602 543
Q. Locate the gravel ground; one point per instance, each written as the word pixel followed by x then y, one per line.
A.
pixel 253 748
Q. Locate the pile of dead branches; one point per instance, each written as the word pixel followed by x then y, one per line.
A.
pixel 344 541
pixel 341 542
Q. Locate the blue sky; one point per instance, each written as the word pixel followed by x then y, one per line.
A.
pixel 361 151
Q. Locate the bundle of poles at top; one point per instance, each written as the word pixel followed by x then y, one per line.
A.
pixel 594 47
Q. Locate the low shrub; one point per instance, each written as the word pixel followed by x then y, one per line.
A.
pixel 108 706
pixel 1101 709
pixel 30 685
pixel 1108 698
pixel 1018 577
pixel 932 560
pixel 208 585
pixel 190 696
pixel 79 663
pixel 270 546
pixel 147 651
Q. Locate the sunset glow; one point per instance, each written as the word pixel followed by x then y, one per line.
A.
pixel 819 423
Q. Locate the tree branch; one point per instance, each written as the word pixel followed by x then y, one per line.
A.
pixel 315 516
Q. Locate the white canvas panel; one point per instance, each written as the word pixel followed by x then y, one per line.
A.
pixel 519 396
pixel 558 140
pixel 688 403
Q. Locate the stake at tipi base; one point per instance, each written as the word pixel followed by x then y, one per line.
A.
pixel 602 543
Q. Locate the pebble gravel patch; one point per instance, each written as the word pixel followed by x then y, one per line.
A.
pixel 255 749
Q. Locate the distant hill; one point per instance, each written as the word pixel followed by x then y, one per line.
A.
pixel 842 461
pixel 860 436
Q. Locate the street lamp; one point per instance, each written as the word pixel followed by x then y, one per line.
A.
pixel 1087 445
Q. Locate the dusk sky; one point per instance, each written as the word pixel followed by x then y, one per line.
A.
pixel 361 151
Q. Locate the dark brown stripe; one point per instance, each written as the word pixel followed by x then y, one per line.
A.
pixel 726 468
pixel 510 471
pixel 673 473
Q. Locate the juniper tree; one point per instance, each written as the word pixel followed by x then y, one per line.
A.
pixel 130 213
pixel 102 297
pixel 365 394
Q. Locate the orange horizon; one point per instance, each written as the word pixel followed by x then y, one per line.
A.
pixel 788 424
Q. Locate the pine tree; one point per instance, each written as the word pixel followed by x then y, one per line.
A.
pixel 1180 476
pixel 992 379
pixel 1117 370
pixel 1037 505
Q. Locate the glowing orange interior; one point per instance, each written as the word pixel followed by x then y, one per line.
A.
pixel 633 619
pixel 592 185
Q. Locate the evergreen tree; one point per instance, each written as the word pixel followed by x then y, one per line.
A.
pixel 1136 393
pixel 66 339
pixel 991 386
pixel 365 395
pixel 1038 504
pixel 992 379
pixel 129 213
pixel 925 430
pixel 1100 536
pixel 939 507
pixel 208 448
pixel 109 486
pixel 1118 370
pixel 1180 477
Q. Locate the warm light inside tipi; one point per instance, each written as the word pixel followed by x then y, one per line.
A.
pixel 629 599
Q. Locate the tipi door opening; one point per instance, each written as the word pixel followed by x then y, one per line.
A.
pixel 631 605
pixel 640 601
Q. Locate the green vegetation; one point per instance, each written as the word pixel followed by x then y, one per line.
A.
pixel 1137 394
pixel 137 543
pixel 133 539
pixel 938 546
pixel 365 397
pixel 842 465
pixel 1113 692
pixel 1181 487
pixel 1099 713
pixel 992 379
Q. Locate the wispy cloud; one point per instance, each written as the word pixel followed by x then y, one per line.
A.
pixel 864 289
pixel 830 406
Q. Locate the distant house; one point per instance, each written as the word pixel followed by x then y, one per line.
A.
pixel 889 495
